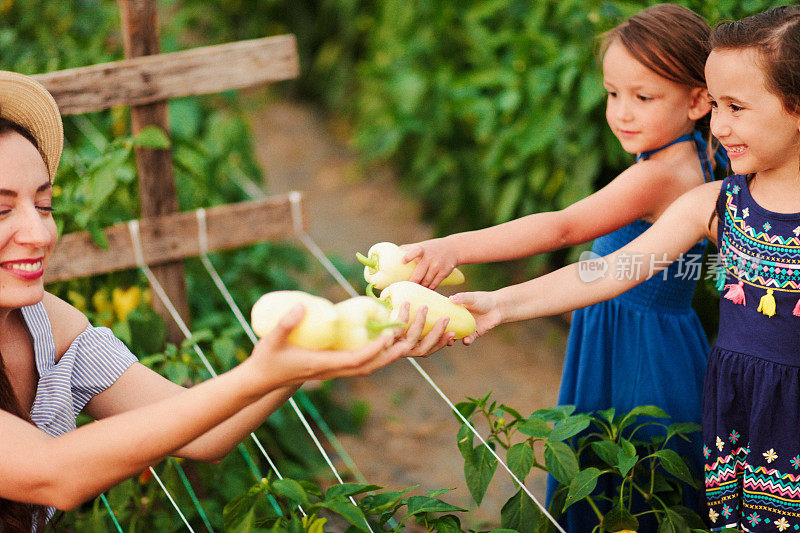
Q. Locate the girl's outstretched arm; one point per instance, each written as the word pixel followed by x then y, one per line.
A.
pixel 643 191
pixel 581 284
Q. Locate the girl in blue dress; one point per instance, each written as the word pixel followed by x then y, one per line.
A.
pixel 646 347
pixel 751 395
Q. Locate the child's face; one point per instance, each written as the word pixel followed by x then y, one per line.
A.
pixel 27 229
pixel 644 110
pixel 749 121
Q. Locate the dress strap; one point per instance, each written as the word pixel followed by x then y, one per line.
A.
pixel 702 151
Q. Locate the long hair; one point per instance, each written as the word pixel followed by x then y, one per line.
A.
pixel 16 516
pixel 670 40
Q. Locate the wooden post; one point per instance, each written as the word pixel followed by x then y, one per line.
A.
pixel 156 182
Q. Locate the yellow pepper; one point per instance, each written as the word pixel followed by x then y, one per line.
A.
pixel 384 266
pixel 461 321
pixel 317 330
pixel 125 301
pixel 361 320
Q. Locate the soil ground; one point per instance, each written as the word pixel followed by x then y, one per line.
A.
pixel 410 436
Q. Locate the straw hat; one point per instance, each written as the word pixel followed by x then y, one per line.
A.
pixel 27 103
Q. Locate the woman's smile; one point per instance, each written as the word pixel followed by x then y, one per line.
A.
pixel 25 268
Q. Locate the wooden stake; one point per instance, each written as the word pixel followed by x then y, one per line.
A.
pixel 156 182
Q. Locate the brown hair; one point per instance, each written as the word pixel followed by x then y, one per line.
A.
pixel 670 40
pixel 775 34
pixel 16 516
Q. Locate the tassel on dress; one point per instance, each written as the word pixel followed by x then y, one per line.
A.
pixel 767 304
pixel 796 311
pixel 736 294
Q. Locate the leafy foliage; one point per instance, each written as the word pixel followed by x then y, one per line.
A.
pixel 579 449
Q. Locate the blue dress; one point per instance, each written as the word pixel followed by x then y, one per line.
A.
pixel 644 347
pixel 751 409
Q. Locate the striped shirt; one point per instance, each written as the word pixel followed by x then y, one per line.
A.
pixel 91 364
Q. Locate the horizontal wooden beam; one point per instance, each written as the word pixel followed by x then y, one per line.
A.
pixel 173 237
pixel 147 79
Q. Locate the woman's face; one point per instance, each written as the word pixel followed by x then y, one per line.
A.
pixel 27 228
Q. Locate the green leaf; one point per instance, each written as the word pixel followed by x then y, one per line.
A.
pixel 382 502
pixel 554 414
pixel 569 427
pixel 560 461
pixel 425 504
pixel 520 459
pixel 348 511
pixel 619 518
pixel 152 137
pixel 682 428
pixel 534 427
pixel 466 409
pixel 672 523
pixel 582 485
pixel 520 514
pixel 291 489
pixel 607 415
pixel 625 462
pixel 344 490
pixel 479 472
pixel 672 463
pixel 465 440
pixel 648 410
pixel 607 451
pixel 447 524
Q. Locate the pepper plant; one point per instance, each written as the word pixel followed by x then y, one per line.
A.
pixel 580 449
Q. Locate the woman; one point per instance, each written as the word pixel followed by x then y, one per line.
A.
pixel 54 364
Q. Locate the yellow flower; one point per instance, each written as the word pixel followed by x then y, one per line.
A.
pixel 77 300
pixel 125 301
pixel 782 524
pixel 101 302
pixel 713 515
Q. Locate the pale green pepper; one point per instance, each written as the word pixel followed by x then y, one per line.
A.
pixel 462 323
pixel 361 320
pixel 384 265
pixel 318 330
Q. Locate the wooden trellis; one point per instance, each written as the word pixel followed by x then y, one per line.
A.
pixel 145 81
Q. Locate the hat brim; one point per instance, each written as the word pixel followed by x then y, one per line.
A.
pixel 27 103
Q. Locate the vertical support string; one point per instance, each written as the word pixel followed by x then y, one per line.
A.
pixel 133 228
pixel 174 504
pixel 202 231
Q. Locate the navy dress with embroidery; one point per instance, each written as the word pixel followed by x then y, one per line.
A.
pixel 751 399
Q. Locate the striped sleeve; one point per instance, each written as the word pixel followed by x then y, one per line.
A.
pixel 99 359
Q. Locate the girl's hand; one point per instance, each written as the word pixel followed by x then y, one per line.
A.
pixel 278 360
pixel 483 307
pixel 434 262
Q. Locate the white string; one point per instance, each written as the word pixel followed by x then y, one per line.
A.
pixel 175 505
pixel 294 199
pixel 133 228
pixel 202 238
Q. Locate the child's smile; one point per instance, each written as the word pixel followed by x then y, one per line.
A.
pixel 743 110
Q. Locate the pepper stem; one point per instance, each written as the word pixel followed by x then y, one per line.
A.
pixel 375 327
pixel 371 293
pixel 371 261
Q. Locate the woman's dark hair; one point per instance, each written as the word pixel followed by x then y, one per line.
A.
pixel 16 516
pixel 670 40
pixel 775 35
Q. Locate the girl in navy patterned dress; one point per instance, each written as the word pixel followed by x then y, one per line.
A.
pixel 54 364
pixel 751 396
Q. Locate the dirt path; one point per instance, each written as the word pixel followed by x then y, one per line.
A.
pixel 410 436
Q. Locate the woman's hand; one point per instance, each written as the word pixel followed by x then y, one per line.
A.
pixel 434 262
pixel 485 309
pixel 291 365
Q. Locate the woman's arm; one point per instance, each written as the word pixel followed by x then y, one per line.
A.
pixel 139 385
pixel 78 465
pixel 642 191
pixel 683 224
